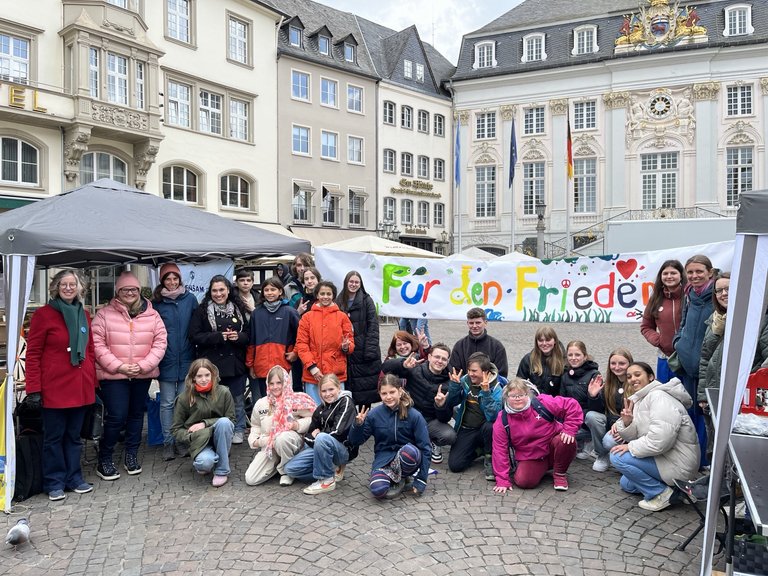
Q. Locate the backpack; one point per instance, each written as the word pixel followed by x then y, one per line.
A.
pixel 542 411
pixel 29 465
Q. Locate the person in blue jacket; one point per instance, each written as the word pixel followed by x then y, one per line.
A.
pixel 175 304
pixel 698 306
pixel 402 447
pixel 478 398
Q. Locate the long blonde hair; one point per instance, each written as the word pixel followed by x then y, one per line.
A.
pixel 613 384
pixel 189 381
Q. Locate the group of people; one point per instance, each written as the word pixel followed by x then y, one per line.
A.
pixel 311 356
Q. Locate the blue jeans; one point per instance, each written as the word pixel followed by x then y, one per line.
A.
pixel 410 325
pixel 638 475
pixel 215 456
pixel 319 462
pixel 124 404
pixel 595 423
pixel 609 441
pixel 691 385
pixel 169 391
pixel 62 447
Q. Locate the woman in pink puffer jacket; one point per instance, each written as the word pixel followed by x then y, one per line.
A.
pixel 129 338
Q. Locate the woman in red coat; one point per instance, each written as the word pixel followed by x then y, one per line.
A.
pixel 61 373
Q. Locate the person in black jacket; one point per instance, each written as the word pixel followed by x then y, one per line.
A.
pixel 422 382
pixel 543 366
pixel 325 455
pixel 219 329
pixel 478 340
pixel 364 364
pixel 582 381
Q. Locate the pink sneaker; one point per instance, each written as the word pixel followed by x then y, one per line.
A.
pixel 219 481
pixel 561 482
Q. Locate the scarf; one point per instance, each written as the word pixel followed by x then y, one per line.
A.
pixel 700 290
pixel 173 294
pixel 283 407
pixel 273 307
pixel 509 410
pixel 225 311
pixel 718 323
pixel 77 327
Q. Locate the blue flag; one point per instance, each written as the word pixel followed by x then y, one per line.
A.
pixel 512 154
pixel 457 157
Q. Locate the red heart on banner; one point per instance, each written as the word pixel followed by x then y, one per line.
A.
pixel 626 267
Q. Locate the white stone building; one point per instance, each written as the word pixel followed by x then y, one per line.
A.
pixel 667 105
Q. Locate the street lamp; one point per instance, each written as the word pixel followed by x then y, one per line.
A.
pixel 388 230
pixel 442 243
pixel 540 209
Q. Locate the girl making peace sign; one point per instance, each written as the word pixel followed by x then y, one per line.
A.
pixel 402 445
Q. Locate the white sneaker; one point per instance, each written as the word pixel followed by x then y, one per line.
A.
pixel 237 438
pixel 601 464
pixel 586 451
pixel 320 486
pixel 658 502
pixel 286 480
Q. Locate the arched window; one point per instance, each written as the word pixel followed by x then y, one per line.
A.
pixel 19 162
pixel 180 184
pixel 96 165
pixel 235 192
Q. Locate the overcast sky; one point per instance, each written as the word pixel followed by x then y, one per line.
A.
pixel 442 23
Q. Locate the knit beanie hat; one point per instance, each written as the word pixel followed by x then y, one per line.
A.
pixel 169 268
pixel 127 280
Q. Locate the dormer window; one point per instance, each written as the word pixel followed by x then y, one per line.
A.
pixel 294 36
pixel 408 69
pixel 738 20
pixel 324 45
pixel 534 49
pixel 420 72
pixel 584 40
pixel 349 52
pixel 485 55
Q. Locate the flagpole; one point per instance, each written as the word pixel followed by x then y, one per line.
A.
pixel 512 162
pixel 568 179
pixel 457 181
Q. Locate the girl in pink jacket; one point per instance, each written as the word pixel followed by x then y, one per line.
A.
pixel 129 338
pixel 541 431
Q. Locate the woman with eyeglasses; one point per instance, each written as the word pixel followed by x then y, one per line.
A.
pixel 130 339
pixel 533 434
pixel 712 347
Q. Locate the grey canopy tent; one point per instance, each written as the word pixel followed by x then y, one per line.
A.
pixel 746 308
pixel 109 223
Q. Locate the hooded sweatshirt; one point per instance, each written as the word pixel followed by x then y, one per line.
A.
pixel 460 393
pixel 335 418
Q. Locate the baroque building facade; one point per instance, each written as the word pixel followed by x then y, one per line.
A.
pixel 158 95
pixel 665 102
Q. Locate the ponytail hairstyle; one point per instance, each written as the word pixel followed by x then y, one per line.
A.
pixel 405 398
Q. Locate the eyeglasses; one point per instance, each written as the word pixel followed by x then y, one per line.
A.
pixel 128 290
pixel 721 290
pixel 517 396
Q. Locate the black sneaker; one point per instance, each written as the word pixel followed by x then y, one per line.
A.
pixel 106 470
pixel 168 453
pixel 132 465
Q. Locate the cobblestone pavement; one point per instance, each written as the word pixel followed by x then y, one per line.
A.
pixel 169 520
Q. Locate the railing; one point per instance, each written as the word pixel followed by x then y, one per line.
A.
pixel 596 233
pixel 358 219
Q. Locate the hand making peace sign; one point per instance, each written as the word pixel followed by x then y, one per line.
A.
pixel 360 418
pixel 440 397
